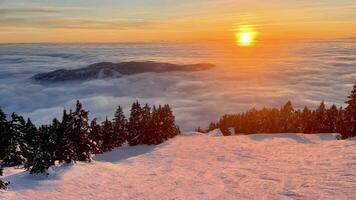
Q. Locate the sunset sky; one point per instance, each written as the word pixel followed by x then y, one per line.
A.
pixel 173 21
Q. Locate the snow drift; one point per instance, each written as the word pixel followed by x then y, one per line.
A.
pixel 199 166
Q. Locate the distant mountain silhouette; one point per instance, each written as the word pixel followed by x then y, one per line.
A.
pixel 116 70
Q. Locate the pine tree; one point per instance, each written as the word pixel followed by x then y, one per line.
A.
pixel 350 115
pixel 252 125
pixel 44 153
pixel 156 126
pixel 120 127
pixel 107 136
pixel 96 135
pixel 79 134
pixel 63 144
pixel 4 134
pixel 331 119
pixel 32 141
pixel 13 152
pixel 286 118
pixel 169 125
pixel 306 120
pixel 340 121
pixel 135 124
pixel 147 133
pixel 320 119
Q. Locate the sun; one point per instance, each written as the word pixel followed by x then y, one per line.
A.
pixel 245 36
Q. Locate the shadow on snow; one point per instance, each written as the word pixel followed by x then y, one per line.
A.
pixel 122 153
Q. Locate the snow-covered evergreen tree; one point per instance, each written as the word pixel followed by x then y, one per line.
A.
pixel 157 125
pixel 96 135
pixel 120 126
pixel 64 146
pixel 79 134
pixel 13 153
pixel 44 153
pixel 135 124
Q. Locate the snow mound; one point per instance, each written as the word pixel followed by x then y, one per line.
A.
pixel 300 138
pixel 215 132
pixel 198 166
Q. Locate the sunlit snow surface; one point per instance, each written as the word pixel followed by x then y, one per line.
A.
pixel 305 73
pixel 196 166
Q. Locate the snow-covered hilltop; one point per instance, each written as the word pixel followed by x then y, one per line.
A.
pixel 197 166
pixel 116 70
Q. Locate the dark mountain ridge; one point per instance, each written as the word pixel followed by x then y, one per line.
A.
pixel 116 70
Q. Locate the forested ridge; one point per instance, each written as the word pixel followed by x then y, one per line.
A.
pixel 76 138
pixel 287 119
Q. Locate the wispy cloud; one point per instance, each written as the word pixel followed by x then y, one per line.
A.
pixel 62 18
pixel 10 11
pixel 74 23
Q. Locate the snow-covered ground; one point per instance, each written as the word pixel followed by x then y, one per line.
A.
pixel 197 166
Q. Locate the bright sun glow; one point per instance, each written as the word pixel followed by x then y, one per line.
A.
pixel 245 36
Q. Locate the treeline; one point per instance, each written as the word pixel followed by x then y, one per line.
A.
pixel 75 138
pixel 289 120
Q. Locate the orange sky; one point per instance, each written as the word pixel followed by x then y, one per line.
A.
pixel 167 21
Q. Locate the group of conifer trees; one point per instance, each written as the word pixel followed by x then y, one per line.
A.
pixel 289 120
pixel 75 138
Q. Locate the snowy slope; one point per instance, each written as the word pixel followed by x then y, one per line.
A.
pixel 197 166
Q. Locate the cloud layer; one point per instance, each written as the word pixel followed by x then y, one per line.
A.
pixel 305 74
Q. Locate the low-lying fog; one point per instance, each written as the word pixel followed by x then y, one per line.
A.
pixel 303 73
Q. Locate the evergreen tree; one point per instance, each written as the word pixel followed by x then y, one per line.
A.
pixel 286 118
pixel 320 119
pixel 156 126
pixel 120 127
pixel 350 115
pixel 306 120
pixel 13 152
pixel 331 119
pixel 135 124
pixel 32 141
pixel 147 133
pixel 96 135
pixel 169 126
pixel 108 134
pixel 252 125
pixel 63 144
pixel 44 153
pixel 4 134
pixel 79 134
pixel 340 121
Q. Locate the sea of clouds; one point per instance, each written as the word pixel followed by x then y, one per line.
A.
pixel 303 73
